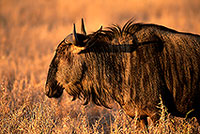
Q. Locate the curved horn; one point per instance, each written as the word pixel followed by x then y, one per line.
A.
pixel 75 38
pixel 83 31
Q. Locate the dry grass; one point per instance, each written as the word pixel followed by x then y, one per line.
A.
pixel 29 33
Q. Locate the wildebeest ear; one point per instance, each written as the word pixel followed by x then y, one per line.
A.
pixel 87 43
pixel 92 40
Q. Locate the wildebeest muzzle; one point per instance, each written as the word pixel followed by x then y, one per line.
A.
pixel 53 89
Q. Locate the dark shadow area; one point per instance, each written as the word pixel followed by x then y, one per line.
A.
pixel 124 48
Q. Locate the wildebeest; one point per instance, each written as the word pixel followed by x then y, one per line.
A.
pixel 134 65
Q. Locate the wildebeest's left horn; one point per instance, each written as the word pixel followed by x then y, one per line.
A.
pixel 75 38
pixel 83 31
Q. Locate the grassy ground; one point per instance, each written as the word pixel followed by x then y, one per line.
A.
pixel 29 33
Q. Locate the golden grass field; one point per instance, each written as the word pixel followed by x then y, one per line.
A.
pixel 30 31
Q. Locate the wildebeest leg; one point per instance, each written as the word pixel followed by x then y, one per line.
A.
pixel 144 122
pixel 197 115
pixel 198 119
pixel 155 118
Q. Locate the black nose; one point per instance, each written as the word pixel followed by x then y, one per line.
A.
pixel 54 90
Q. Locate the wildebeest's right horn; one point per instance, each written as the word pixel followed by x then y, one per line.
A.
pixel 83 31
pixel 75 38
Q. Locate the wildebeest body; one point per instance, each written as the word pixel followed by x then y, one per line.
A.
pixel 134 66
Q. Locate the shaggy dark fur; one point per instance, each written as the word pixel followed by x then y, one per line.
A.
pixel 133 66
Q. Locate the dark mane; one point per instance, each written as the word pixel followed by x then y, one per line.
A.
pixel 116 31
pixel 129 28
